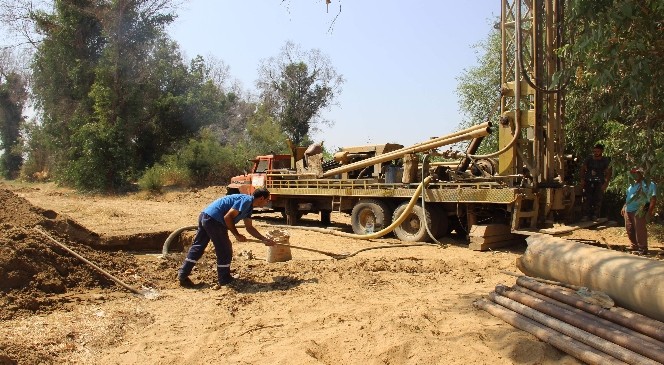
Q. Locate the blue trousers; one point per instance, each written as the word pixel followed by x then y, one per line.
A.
pixel 210 230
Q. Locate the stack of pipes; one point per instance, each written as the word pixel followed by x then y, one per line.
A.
pixel 589 332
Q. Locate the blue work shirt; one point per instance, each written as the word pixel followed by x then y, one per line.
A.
pixel 240 202
pixel 638 194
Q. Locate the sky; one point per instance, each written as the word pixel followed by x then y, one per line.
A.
pixel 400 59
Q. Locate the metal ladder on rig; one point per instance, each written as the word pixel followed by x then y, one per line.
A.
pixel 524 214
pixel 336 204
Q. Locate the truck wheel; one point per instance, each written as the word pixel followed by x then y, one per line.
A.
pixel 370 208
pixel 412 229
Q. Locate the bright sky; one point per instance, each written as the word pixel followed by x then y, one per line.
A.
pixel 400 59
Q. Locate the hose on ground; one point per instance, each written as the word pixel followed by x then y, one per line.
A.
pixel 381 233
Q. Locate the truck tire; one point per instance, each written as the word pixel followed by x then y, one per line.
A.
pixel 412 229
pixel 379 211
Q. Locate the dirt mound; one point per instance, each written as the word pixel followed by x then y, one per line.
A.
pixel 34 271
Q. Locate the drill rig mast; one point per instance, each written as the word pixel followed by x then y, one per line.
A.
pixel 532 104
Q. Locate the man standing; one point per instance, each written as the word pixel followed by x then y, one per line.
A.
pixel 639 206
pixel 595 175
pixel 214 223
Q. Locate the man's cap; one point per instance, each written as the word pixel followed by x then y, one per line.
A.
pixel 634 170
pixel 600 146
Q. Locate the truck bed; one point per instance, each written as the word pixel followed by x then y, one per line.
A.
pixel 476 192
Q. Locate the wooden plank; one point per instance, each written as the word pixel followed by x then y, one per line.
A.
pixel 489 230
pixel 569 228
pixel 492 239
pixel 494 245
pixel 564 229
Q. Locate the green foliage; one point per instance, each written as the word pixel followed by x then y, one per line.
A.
pixel 160 175
pixel 152 180
pixel 617 84
pixel 200 162
pixel 302 100
pixel 265 134
pixel 298 86
pixel 479 89
pixel 12 98
pixel 34 147
pixel 100 159
pixel 114 92
pixel 63 70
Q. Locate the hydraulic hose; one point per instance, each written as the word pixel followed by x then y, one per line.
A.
pixel 172 236
pixel 381 233
pixel 426 225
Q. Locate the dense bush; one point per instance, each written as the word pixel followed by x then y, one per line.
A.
pixel 200 162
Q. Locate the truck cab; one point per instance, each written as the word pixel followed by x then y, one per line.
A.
pixel 261 165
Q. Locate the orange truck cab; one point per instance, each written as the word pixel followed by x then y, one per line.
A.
pixel 247 183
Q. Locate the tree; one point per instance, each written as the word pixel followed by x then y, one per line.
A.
pixel 63 71
pixel 617 84
pixel 113 89
pixel 479 89
pixel 297 86
pixel 265 134
pixel 12 98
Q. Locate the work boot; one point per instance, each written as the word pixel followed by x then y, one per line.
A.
pixel 226 280
pixel 185 282
pixel 224 276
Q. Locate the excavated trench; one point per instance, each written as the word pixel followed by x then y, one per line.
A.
pixel 142 242
pixel 37 275
pixel 139 242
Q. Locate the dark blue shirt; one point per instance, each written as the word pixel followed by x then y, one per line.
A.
pixel 596 169
pixel 240 202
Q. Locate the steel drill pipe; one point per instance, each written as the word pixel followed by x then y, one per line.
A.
pixel 473 146
pixel 618 337
pixel 481 130
pixel 637 335
pixel 556 339
pixel 483 126
pixel 578 334
pixel 633 282
pixel 639 323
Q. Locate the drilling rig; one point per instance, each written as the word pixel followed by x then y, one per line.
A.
pixel 522 186
pixel 530 129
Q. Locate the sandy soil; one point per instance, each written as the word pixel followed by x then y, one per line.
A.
pixel 401 305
